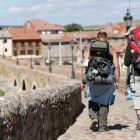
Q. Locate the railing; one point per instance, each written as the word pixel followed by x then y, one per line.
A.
pixel 23 47
pixel 37 46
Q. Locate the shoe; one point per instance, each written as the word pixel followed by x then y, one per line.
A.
pixel 93 124
pixel 103 129
pixel 138 125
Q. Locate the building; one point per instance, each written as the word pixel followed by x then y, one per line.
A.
pixel 5 27
pixel 22 42
pixel 43 27
pixel 60 48
pixel 115 28
pixel 5 43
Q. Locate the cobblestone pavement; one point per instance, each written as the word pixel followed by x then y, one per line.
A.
pixel 121 122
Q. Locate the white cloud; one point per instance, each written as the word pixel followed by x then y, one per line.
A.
pixel 67 9
pixel 37 8
pixel 83 12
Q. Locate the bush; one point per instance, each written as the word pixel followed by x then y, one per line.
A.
pixel 2 93
pixel 37 62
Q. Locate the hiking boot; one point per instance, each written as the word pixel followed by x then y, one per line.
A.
pixel 103 129
pixel 138 125
pixel 93 124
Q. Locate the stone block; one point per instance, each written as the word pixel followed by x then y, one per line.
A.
pixel 29 120
pixel 47 124
pixel 34 129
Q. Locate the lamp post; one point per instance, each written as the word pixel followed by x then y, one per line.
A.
pixel 66 54
pixel 49 46
pixel 17 53
pixel 3 48
pixel 72 46
pixel 127 23
pixel 128 20
pixel 31 48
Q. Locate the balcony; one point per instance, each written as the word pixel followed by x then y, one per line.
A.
pixel 37 46
pixel 23 47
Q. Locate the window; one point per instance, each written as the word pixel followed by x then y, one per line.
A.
pixel 37 44
pixel 15 44
pixel 54 32
pixel 37 52
pixel 30 43
pixel 78 41
pixel 116 40
pixel 22 44
pixel 15 53
pixel 30 51
pixel 5 40
pixel 5 49
pixel 22 52
pixel 17 34
pixel 85 41
pixel 31 33
pixel 48 32
pixel 43 32
pixel 55 54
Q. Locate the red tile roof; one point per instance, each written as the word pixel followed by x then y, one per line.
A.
pixel 119 47
pixel 63 39
pixel 43 25
pixel 24 34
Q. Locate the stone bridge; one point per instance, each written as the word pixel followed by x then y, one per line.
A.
pixel 43 113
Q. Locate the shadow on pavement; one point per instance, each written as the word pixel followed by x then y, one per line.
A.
pixel 80 111
pixel 118 127
pixel 115 127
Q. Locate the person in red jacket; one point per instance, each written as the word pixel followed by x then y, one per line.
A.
pixel 135 87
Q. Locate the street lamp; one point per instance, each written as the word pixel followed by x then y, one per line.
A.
pixel 127 23
pixel 72 46
pixel 66 54
pixel 49 46
pixel 17 53
pixel 128 20
pixel 3 48
pixel 31 48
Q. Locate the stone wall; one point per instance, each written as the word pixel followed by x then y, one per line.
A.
pixel 62 70
pixel 41 114
pixel 31 76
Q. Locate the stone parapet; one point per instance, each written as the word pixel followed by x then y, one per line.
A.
pixel 62 70
pixel 41 114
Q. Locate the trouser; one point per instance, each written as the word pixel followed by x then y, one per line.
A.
pixel 100 112
pixel 135 88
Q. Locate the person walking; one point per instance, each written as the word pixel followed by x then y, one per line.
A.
pixel 101 96
pixel 134 86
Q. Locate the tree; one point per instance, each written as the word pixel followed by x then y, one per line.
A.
pixel 73 27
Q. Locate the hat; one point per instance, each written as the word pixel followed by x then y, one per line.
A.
pixel 128 32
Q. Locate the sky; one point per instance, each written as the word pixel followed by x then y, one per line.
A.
pixel 63 12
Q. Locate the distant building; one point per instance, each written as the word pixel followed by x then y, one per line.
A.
pixel 115 28
pixel 24 38
pixel 43 27
pixel 5 27
pixel 59 44
pixel 5 43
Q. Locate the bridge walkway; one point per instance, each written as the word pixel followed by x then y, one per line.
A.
pixel 121 122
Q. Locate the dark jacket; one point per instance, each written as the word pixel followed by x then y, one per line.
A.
pixel 127 60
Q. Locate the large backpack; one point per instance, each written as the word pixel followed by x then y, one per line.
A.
pixel 135 49
pixel 98 65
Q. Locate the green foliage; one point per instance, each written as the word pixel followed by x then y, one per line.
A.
pixel 2 93
pixel 49 63
pixel 73 27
